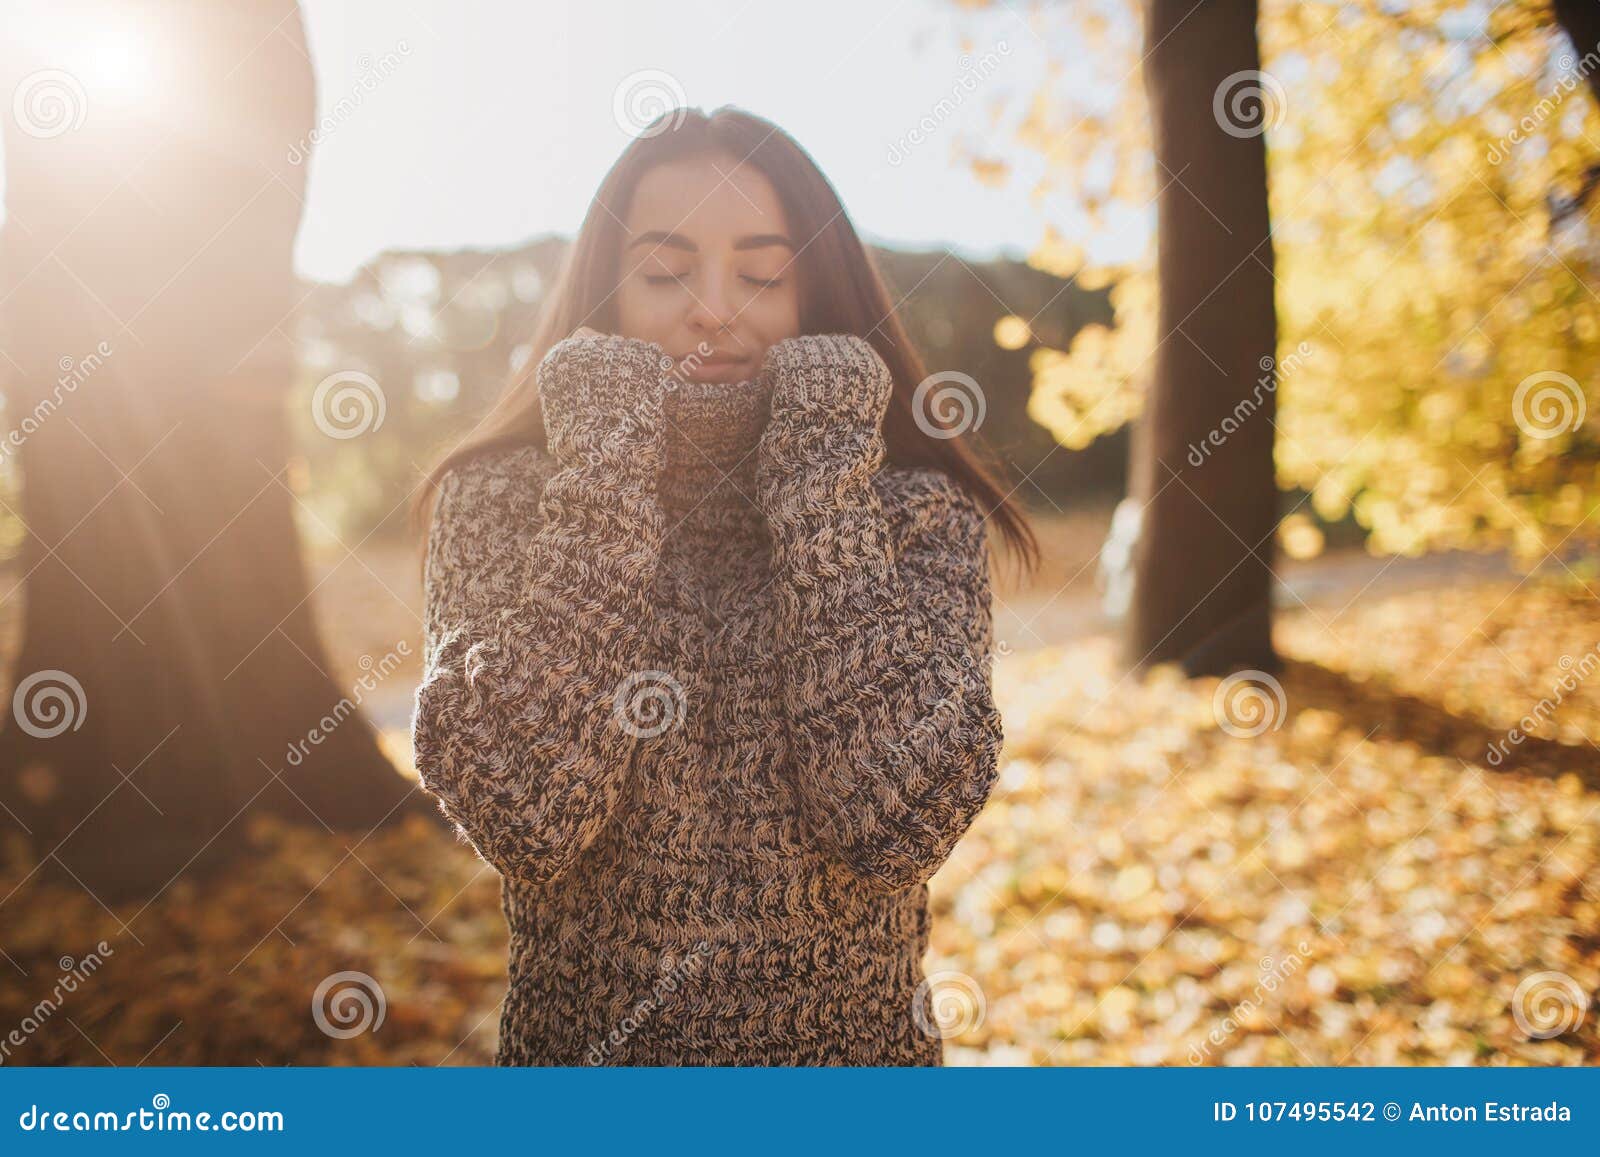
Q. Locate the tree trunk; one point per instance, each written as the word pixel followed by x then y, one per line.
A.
pixel 1580 20
pixel 1202 467
pixel 171 680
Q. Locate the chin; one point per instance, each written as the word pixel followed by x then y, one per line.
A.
pixel 731 372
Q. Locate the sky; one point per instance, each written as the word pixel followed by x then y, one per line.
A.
pixel 457 123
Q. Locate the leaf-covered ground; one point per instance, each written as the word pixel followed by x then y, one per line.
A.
pixel 1356 882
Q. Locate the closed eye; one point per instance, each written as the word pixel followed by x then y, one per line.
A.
pixel 764 283
pixel 665 278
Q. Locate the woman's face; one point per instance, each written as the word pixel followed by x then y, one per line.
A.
pixel 708 269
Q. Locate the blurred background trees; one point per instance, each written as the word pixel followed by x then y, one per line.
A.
pixel 171 675
pixel 1432 206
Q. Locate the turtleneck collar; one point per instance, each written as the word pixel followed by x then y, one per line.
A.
pixel 711 433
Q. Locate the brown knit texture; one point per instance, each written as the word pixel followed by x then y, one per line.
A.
pixel 709 686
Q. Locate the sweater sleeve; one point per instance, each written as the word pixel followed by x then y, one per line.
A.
pixel 882 584
pixel 536 610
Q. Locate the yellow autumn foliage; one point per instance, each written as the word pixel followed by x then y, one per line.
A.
pixel 1433 271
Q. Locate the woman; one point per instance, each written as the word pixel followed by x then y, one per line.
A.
pixel 708 631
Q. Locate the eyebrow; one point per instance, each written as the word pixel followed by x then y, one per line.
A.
pixel 679 241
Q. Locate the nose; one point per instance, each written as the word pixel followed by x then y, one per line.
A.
pixel 712 310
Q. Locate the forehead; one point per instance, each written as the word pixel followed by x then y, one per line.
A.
pixel 706 199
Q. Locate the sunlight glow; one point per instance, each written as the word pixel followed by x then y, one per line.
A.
pixel 115 63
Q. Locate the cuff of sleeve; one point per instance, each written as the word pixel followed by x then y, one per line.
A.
pixel 613 372
pixel 833 373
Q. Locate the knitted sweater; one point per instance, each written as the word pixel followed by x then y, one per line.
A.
pixel 709 687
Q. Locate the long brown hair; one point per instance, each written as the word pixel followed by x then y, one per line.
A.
pixel 841 291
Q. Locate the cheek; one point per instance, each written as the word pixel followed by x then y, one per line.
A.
pixel 644 315
pixel 776 315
